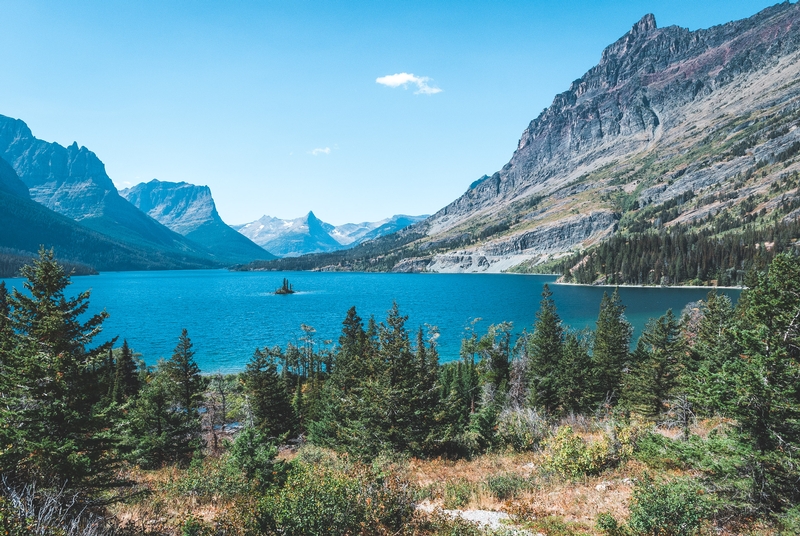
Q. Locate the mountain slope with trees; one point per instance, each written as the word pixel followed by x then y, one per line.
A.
pixel 675 135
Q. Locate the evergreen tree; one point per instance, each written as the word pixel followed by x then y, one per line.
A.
pixel 51 411
pixel 338 407
pixel 182 369
pixel 765 382
pixel 6 329
pixel 713 347
pixel 656 373
pixel 159 430
pixel 401 377
pixel 425 397
pixel 545 347
pixel 574 378
pixel 165 424
pixel 270 404
pixel 495 364
pixel 612 339
pixel 126 375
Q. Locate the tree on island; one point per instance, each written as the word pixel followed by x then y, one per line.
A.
pixel 286 288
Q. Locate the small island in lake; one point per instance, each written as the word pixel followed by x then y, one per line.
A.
pixel 286 288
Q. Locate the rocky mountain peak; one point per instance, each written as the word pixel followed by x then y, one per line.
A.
pixel 645 25
pixel 181 206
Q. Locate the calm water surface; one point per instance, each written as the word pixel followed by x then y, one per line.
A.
pixel 229 314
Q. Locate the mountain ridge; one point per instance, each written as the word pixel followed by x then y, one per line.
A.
pixel 309 234
pixel 665 111
pixel 190 210
pixel 72 181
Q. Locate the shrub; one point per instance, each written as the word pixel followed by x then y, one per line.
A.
pixel 506 485
pixel 521 429
pixel 253 454
pixel 570 456
pixel 337 497
pixel 457 493
pixel 676 508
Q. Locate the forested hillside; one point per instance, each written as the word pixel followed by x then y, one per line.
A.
pixel 696 430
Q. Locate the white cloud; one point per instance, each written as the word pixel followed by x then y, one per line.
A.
pixel 404 79
pixel 320 150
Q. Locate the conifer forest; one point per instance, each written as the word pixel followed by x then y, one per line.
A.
pixel 696 425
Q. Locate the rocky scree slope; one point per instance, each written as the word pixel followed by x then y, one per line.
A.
pixel 666 111
pixel 190 211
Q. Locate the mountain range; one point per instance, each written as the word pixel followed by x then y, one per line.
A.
pixel 61 197
pixel 673 130
pixel 189 210
pixel 309 234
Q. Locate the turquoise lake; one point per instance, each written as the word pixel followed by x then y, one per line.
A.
pixel 229 314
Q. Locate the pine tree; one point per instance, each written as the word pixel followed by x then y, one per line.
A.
pixel 713 347
pixel 268 396
pixel 657 372
pixel 51 411
pixel 159 430
pixel 764 382
pixel 6 329
pixel 545 347
pixel 612 339
pixel 338 407
pixel 182 369
pixel 400 373
pixel 126 375
pixel 574 378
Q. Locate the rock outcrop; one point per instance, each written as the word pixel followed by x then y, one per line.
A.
pixel 190 211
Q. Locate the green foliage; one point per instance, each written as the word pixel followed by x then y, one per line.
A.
pixel 612 340
pixel 722 251
pixel 253 455
pixel 193 526
pixel 505 486
pixel 268 395
pixel 52 413
pixel 183 372
pixel 571 456
pixel 458 493
pixel 675 508
pixel 658 363
pixel 126 375
pixel 158 429
pixel 544 350
pixel 333 496
pixel 381 394
pixel 10 522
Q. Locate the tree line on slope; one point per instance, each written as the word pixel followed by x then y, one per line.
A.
pixel 75 412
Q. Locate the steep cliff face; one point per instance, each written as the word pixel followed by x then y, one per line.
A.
pixel 655 119
pixel 181 206
pixel 190 211
pixel 72 181
pixel 630 101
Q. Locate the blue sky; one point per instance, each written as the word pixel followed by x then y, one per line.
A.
pixel 275 105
